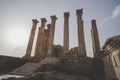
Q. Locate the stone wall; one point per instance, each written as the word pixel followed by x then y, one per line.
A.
pixel 111 58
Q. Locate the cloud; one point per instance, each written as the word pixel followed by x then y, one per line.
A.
pixel 104 21
pixel 116 12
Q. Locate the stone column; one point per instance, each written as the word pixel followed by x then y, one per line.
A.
pixel 31 39
pixel 51 36
pixel 66 32
pixel 81 39
pixel 95 37
pixel 41 40
pixel 37 43
pixel 47 38
pixel 45 42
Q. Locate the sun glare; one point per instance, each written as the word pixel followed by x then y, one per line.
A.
pixel 17 36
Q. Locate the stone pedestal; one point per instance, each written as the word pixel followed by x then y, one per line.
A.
pixel 51 36
pixel 66 32
pixel 31 39
pixel 81 39
pixel 95 37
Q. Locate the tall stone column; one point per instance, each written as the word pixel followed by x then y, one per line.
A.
pixel 41 40
pixel 47 38
pixel 51 36
pixel 37 43
pixel 66 32
pixel 31 39
pixel 81 39
pixel 95 37
pixel 45 42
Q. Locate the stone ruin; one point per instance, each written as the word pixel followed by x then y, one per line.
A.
pixel 46 48
pixel 49 57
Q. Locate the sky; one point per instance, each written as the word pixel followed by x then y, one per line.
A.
pixel 16 22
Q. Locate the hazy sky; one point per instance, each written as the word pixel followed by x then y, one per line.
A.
pixel 16 21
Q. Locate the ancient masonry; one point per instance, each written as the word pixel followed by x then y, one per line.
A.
pixel 44 44
pixel 73 59
pixel 66 32
pixel 95 38
pixel 30 43
pixel 81 41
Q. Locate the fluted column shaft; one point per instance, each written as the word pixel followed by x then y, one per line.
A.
pixel 47 38
pixel 51 36
pixel 66 32
pixel 37 43
pixel 95 37
pixel 41 40
pixel 31 39
pixel 45 42
pixel 81 39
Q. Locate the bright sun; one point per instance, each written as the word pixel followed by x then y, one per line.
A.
pixel 17 36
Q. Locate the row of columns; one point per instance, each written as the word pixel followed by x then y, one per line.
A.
pixel 45 38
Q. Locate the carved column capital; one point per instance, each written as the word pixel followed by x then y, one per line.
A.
pixel 79 11
pixel 93 21
pixel 53 17
pixel 35 21
pixel 43 20
pixel 66 14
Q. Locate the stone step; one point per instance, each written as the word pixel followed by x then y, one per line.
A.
pixel 30 68
pixel 26 69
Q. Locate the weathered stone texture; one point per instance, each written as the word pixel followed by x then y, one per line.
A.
pixel 66 32
pixel 51 35
pixel 81 39
pixel 95 38
pixel 31 39
pixel 41 39
pixel 37 43
pixel 57 50
pixel 111 58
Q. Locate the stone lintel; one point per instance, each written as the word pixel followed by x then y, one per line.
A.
pixel 79 11
pixel 53 17
pixel 35 21
pixel 66 14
